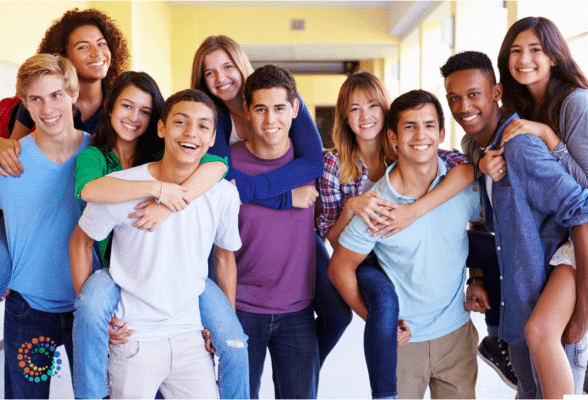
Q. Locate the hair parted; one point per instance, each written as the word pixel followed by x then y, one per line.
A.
pixel 57 37
pixel 469 60
pixel 412 100
pixel 566 75
pixel 344 138
pixel 39 65
pixel 235 53
pixel 149 144
pixel 268 77
pixel 195 95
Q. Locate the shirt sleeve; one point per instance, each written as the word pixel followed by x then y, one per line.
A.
pixel 453 158
pixel 90 165
pixel 330 192
pixel 23 116
pixel 355 237
pixel 471 150
pixel 206 158
pixel 97 221
pixel 227 235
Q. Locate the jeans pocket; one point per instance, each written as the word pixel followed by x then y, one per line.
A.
pixel 16 306
pixel 124 351
pixel 581 353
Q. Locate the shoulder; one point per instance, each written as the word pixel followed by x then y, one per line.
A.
pixel 577 97
pixel 331 160
pixel 223 192
pixel 573 107
pixel 140 172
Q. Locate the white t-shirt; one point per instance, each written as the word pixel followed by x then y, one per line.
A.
pixel 162 273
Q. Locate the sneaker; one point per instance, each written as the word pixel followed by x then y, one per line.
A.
pixel 494 352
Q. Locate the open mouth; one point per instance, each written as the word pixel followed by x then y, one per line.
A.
pixel 225 87
pixel 186 145
pixel 130 127
pixel 470 118
pixel 421 147
pixel 270 130
pixel 367 126
pixel 51 121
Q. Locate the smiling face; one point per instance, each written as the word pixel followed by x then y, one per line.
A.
pixel 188 132
pixel 221 75
pixel 528 64
pixel 365 116
pixel 131 114
pixel 417 135
pixel 88 51
pixel 473 100
pixel 50 105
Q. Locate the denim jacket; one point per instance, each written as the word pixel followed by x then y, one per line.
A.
pixel 535 206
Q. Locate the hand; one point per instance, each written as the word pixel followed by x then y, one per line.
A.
pixel 5 295
pixel 368 205
pixel 401 216
pixel 117 331
pixel 9 153
pixel 174 197
pixel 476 298
pixel 208 341
pixel 493 164
pixel 149 214
pixel 576 328
pixel 404 334
pixel 304 196
pixel 523 126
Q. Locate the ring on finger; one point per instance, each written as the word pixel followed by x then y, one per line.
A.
pixel 500 171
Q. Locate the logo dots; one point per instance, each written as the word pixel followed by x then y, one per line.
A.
pixel 38 359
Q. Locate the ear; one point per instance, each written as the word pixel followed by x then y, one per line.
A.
pixel 75 96
pixel 392 137
pixel 212 139
pixel 247 115
pixel 497 92
pixel 442 135
pixel 160 129
pixel 295 108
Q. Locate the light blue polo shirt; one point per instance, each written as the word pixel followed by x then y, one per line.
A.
pixel 426 261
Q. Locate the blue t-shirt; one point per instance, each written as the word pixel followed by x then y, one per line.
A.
pixel 425 261
pixel 41 212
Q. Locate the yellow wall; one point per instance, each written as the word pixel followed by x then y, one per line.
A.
pixel 319 90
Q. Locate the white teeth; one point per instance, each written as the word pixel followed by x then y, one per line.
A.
pixel 97 64
pixel 367 126
pixel 526 69
pixel 225 87
pixel 188 145
pixel 271 130
pixel 130 127
pixel 471 118
pixel 50 121
pixel 423 147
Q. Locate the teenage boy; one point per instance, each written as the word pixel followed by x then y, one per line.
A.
pixel 529 221
pixel 162 273
pixel 425 262
pixel 41 212
pixel 276 265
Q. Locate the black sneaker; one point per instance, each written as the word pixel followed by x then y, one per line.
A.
pixel 494 352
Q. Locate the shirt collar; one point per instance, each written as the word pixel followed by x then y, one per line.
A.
pixel 441 172
pixel 497 140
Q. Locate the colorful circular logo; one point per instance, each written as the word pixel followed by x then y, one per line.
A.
pixel 38 359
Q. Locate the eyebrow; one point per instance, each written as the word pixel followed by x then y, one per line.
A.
pixel 87 41
pixel 131 101
pixel 189 117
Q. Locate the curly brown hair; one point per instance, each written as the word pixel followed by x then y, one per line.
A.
pixel 57 36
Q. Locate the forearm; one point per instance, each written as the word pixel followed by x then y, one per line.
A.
pixel 111 190
pixel 204 178
pixel 341 270
pixel 225 271
pixel 80 258
pixel 19 131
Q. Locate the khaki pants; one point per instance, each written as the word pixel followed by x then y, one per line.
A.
pixel 447 365
pixel 179 367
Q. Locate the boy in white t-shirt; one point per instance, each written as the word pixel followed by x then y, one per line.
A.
pixel 162 273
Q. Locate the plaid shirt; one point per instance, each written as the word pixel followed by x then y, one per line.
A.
pixel 334 195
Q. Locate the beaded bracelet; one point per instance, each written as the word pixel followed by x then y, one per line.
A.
pixel 160 194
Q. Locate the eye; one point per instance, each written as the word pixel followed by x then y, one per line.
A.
pixel 513 51
pixel 146 112
pixel 354 109
pixel 374 105
pixel 474 94
pixel 228 66
pixel 179 122
pixel 127 106
pixel 203 127
pixel 454 98
pixel 280 108
pixel 535 50
pixel 103 44
pixel 56 95
pixel 207 74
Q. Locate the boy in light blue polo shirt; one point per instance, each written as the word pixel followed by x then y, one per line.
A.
pixel 426 262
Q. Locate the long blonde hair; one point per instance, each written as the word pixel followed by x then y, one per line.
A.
pixel 235 53
pixel 343 137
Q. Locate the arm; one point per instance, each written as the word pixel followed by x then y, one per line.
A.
pixel 341 270
pixel 476 296
pixel 470 148
pixel 80 257
pixel 9 148
pixel 225 270
pixel 210 171
pixel 578 325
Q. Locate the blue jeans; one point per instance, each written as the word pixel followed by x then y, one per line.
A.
pixel 40 333
pixel 333 314
pixel 291 339
pixel 529 386
pixel 97 302
pixel 380 334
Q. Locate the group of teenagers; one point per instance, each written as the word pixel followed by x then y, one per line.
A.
pixel 146 235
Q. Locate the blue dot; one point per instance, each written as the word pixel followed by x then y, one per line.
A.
pixel 58 368
pixel 46 344
pixel 57 354
pixel 59 361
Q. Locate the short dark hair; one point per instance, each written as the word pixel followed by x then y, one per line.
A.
pixel 194 95
pixel 414 99
pixel 269 77
pixel 469 60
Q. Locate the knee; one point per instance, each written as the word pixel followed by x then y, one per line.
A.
pixel 537 333
pixel 232 351
pixel 97 300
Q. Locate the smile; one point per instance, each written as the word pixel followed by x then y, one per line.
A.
pixel 367 126
pixel 270 130
pixel 225 87
pixel 50 121
pixel 421 147
pixel 524 70
pixel 97 64
pixel 187 145
pixel 130 127
pixel 470 118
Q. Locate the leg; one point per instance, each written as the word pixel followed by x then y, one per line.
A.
pixel 31 337
pixel 520 357
pixel 192 369
pixel 94 306
pixel 256 327
pixel 380 336
pixel 577 354
pixel 229 340
pixel 414 372
pixel 137 369
pixel 333 314
pixel 295 358
pixel 454 364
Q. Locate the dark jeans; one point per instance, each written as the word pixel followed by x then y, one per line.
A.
pixel 380 335
pixel 291 339
pixel 482 255
pixel 31 337
pixel 333 314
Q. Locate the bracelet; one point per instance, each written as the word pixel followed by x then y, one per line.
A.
pixel 160 194
pixel 475 279
pixel 563 150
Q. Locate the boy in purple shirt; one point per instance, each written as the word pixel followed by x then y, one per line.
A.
pixel 276 264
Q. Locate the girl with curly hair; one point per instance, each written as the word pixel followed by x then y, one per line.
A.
pixel 97 49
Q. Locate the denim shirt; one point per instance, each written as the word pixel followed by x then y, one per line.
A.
pixel 535 206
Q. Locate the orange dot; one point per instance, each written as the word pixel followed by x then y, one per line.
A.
pixel 26 351
pixel 21 364
pixel 27 370
pixel 35 340
pixel 19 357
pixel 20 350
pixel 29 345
pixel 42 338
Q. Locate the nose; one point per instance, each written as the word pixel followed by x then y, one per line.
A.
pixel 46 108
pixel 270 116
pixel 363 113
pixel 464 105
pixel 420 132
pixel 134 115
pixel 94 51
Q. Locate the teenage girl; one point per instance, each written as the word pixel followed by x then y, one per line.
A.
pixel 545 86
pixel 360 158
pixel 220 69
pixel 126 136
pixel 98 51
